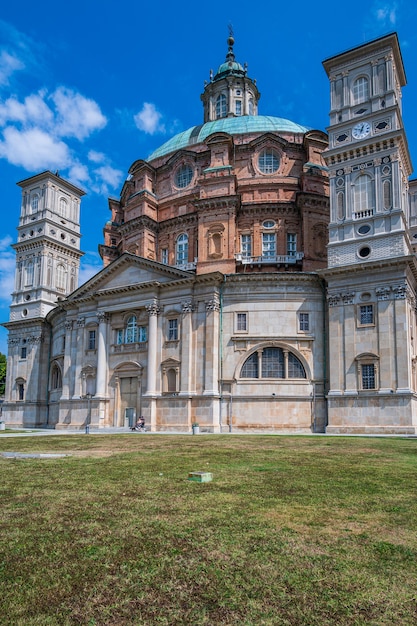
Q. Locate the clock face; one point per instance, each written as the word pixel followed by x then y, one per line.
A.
pixel 361 130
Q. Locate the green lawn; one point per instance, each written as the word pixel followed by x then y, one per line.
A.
pixel 292 530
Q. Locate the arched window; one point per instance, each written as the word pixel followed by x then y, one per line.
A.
pixel 61 277
pixel 360 90
pixel 182 250
pixel 29 274
pixel 132 333
pixel 364 197
pixel 250 106
pixel 273 363
pixel 63 207
pixel 35 203
pixel 56 377
pixel 221 106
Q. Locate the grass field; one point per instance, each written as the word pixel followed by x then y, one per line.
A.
pixel 292 530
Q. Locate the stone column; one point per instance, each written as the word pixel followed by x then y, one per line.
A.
pixel 186 383
pixel 101 386
pixel 66 375
pixel 153 311
pixel 211 382
pixel 78 356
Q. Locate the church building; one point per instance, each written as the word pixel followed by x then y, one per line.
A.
pixel 258 275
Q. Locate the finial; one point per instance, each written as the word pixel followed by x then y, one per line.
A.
pixel 230 42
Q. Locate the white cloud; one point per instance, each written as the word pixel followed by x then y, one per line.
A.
pixel 91 263
pixel 7 269
pixel 149 119
pixel 78 174
pixel 33 149
pixel 109 175
pixel 9 64
pixel 387 14
pixel 96 157
pixel 77 116
pixel 33 110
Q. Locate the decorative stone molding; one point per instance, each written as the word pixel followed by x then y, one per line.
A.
pixel 348 297
pixel 188 307
pixel 81 322
pixel 400 292
pixel 383 293
pixel 153 309
pixel 102 317
pixel 213 305
pixel 68 325
pixel 35 338
pixel 333 299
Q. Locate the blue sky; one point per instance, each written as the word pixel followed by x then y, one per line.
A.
pixel 89 88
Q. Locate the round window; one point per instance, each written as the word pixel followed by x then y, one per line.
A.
pixel 364 229
pixel 364 252
pixel 183 176
pixel 268 161
pixel 268 224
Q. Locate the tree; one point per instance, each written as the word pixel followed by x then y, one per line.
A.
pixel 3 367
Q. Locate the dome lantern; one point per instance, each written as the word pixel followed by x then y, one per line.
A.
pixel 230 93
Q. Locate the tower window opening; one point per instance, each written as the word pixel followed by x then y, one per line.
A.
pixel 221 106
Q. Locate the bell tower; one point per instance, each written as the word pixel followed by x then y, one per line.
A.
pixel 48 246
pixel 372 270
pixel 368 158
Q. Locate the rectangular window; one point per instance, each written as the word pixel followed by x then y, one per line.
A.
pixel 291 244
pixel 368 376
pixel 91 339
pixel 241 322
pixel 173 329
pixel 246 245
pixel 164 256
pixel 21 391
pixel 119 337
pixel 268 245
pixel 366 314
pixel 304 322
pixel 238 109
pixel 23 352
pixel 142 333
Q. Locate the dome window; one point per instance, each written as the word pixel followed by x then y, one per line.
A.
pixel 268 161
pixel 183 176
pixel 221 106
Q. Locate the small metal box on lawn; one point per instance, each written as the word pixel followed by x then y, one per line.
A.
pixel 200 477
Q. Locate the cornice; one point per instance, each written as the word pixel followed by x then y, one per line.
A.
pixel 409 261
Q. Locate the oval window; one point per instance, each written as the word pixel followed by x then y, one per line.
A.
pixel 183 176
pixel 364 229
pixel 268 161
pixel 364 252
pixel 268 224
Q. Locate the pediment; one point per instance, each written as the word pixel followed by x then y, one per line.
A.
pixel 129 272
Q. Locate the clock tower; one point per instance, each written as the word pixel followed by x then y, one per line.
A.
pixel 372 270
pixel 368 158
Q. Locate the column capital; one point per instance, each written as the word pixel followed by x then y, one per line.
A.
pixel 213 304
pixel 102 316
pixel 153 309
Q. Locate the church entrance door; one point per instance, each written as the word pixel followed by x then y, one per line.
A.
pixel 129 399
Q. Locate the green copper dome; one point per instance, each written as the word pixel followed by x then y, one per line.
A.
pixel 245 124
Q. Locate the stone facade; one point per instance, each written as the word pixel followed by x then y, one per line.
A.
pixel 217 302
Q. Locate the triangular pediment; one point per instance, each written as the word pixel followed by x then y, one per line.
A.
pixel 129 272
